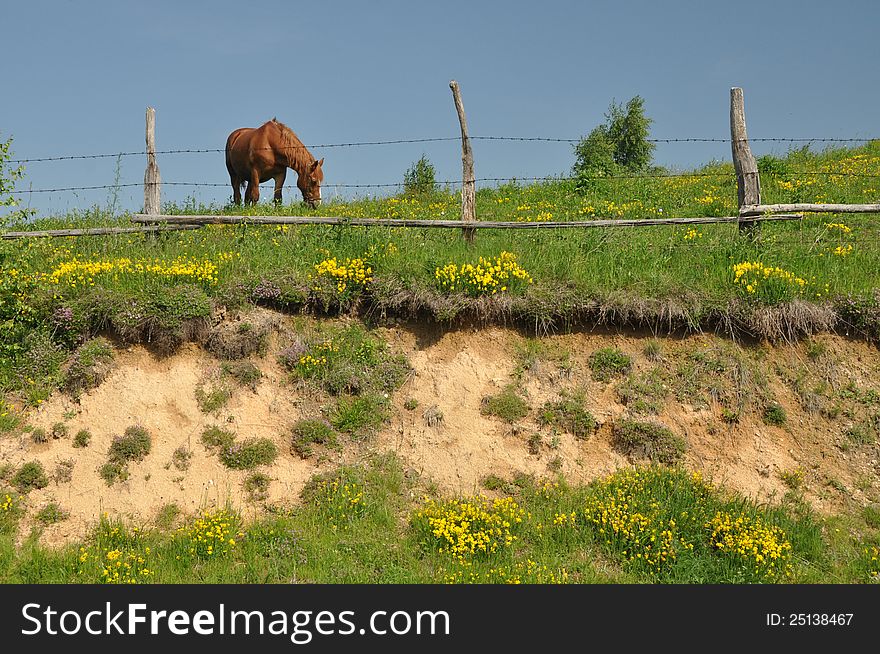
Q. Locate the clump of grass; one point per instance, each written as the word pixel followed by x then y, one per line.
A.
pixel 609 362
pixel 347 361
pixel 507 405
pixel 64 471
pixel 643 394
pixel 51 513
pixel 493 483
pixel 243 372
pixel 359 415
pixel 534 442
pixel 793 479
pixel 411 404
pixel 133 445
pixel 862 433
pixel 433 416
pixel 217 438
pixel 181 458
pixel 648 440
pixel 815 349
pixel 653 350
pixel 167 515
pixel 256 485
pixel 89 366
pixel 570 413
pixel 213 399
pixel 309 432
pixel 249 453
pixel 39 435
pixel 82 438
pixel 60 430
pixel 30 476
pixel 774 415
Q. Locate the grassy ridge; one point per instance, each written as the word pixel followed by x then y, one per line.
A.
pixel 361 525
pixel 154 287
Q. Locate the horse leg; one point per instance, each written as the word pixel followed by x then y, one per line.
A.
pixel 279 185
pixel 236 190
pixel 252 194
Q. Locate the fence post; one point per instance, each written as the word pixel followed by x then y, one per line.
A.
pixel 748 182
pixel 468 183
pixel 152 180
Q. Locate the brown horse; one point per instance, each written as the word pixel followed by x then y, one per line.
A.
pixel 258 154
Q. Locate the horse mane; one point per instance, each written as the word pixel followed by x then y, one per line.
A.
pixel 298 156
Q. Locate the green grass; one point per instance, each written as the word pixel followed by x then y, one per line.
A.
pixel 569 413
pixel 507 405
pixel 370 523
pixel 29 476
pixel 667 275
pixel 309 432
pixel 249 453
pixel 609 362
pixel 648 440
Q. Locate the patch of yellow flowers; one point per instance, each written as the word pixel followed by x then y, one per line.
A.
pixel 464 529
pixel 488 277
pixel 210 535
pixel 340 501
pixel 76 273
pixel 754 276
pixel 117 565
pixel 763 548
pixel 317 358
pixel 354 274
pixel 528 572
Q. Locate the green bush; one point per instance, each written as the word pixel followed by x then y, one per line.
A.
pixel 419 178
pixel 249 453
pixel 31 475
pixel 569 413
pixel 507 405
pixel 82 438
pixel 215 437
pixel 608 362
pixel 309 432
pixel 133 445
pixel 774 415
pixel 648 440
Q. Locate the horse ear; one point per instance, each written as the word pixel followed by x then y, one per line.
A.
pixel 320 163
pixel 317 164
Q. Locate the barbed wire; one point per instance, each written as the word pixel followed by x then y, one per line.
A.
pixel 113 155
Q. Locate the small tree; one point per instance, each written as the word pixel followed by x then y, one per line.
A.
pixel 419 178
pixel 621 143
pixel 8 176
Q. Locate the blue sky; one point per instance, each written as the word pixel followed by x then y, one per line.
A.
pixel 77 77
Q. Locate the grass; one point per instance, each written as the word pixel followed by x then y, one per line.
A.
pixel 309 432
pixel 217 438
pixel 82 438
pixel 30 476
pixel 569 413
pixel 213 399
pixel 244 373
pixel 133 445
pixel 609 362
pixel 507 405
pixel 249 453
pixel 162 291
pixel 648 440
pixel 51 513
pixel 369 523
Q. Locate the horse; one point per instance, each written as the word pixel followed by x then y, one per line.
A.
pixel 258 154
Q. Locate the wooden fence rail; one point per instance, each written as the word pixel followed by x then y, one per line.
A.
pixel 97 231
pixel 459 224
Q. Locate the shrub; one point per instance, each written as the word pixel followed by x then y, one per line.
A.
pixel 621 143
pixel 39 436
pixel 59 430
pixel 82 438
pixel 133 445
pixel 420 177
pixel 774 415
pixel 180 459
pixel 64 471
pixel 89 366
pixel 648 440
pixel 31 475
pixel 215 437
pixel 359 415
pixel 608 362
pixel 308 432
pixel 507 405
pixel 570 414
pixel 51 513
pixel 250 453
pixel 244 372
pixel 256 485
pixel 212 400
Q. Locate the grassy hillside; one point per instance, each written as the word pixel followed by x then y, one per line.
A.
pixel 361 525
pixel 795 278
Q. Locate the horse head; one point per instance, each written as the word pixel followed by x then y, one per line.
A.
pixel 309 183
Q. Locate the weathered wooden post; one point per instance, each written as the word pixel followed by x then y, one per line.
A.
pixel 468 183
pixel 152 180
pixel 748 183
